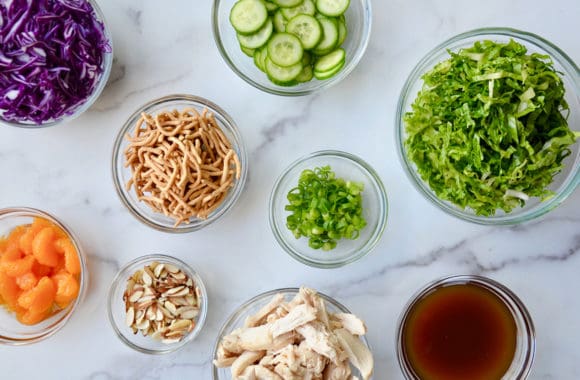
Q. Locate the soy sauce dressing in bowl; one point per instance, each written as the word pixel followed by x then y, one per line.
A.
pixel 466 327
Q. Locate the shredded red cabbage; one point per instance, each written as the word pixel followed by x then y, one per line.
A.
pixel 51 58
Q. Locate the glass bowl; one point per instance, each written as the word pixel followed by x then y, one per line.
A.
pixel 526 336
pixel 121 174
pixel 252 306
pixel 102 82
pixel 358 18
pixel 563 184
pixel 13 332
pixel 116 306
pixel 375 209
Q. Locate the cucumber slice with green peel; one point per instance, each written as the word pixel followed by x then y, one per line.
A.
pixel 342 32
pixel 280 22
pixel 257 59
pixel 322 75
pixel 285 49
pixel 307 29
pixel 281 74
pixel 330 61
pixel 247 51
pixel 306 8
pixel 271 7
pixel 329 36
pixel 248 16
pixel 288 3
pixel 332 8
pixel 263 57
pixel 305 75
pixel 259 38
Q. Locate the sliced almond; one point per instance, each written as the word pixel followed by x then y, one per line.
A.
pixel 158 269
pixel 147 279
pixel 130 317
pixel 135 296
pixel 171 268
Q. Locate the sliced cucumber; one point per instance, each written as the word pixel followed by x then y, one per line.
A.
pixel 280 22
pixel 258 58
pixel 330 36
pixel 288 3
pixel 306 8
pixel 330 73
pixel 280 74
pixel 342 32
pixel 305 75
pixel 248 16
pixel 307 29
pixel 332 8
pixel 271 7
pixel 263 57
pixel 330 61
pixel 256 40
pixel 285 49
pixel 247 51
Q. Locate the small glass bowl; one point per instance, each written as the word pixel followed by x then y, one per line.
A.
pixel 252 306
pixel 107 65
pixel 13 332
pixel 563 184
pixel 121 174
pixel 526 335
pixel 358 18
pixel 375 209
pixel 116 306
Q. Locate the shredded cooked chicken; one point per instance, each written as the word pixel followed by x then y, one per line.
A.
pixel 297 340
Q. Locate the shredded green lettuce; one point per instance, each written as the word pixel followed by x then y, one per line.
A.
pixel 489 130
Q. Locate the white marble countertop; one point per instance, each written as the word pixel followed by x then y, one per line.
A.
pixel 167 49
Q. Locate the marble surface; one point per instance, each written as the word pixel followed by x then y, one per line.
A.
pixel 169 48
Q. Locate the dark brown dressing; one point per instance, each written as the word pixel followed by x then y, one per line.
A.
pixel 460 332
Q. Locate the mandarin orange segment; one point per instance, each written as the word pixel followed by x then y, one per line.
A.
pixel 30 317
pixel 40 298
pixel 11 253
pixel 27 281
pixel 9 290
pixel 16 233
pixel 67 288
pixel 72 263
pixel 38 224
pixel 17 268
pixel 43 247
pixel 25 242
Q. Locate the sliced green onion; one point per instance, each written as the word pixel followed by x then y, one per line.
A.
pixel 325 209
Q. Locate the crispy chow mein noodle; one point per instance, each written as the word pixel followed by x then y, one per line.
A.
pixel 182 164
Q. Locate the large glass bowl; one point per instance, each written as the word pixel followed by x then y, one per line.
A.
pixel 116 306
pixel 250 307
pixel 358 19
pixel 563 184
pixel 122 174
pixel 13 332
pixel 375 209
pixel 102 81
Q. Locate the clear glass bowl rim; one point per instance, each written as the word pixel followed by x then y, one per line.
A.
pixel 231 126
pixel 289 91
pixel 383 207
pixel 497 288
pixel 509 219
pixel 107 66
pixel 141 261
pixel 249 303
pixel 84 277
